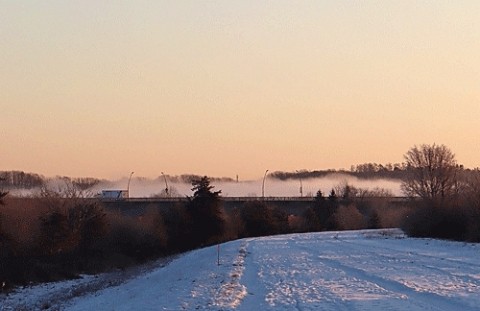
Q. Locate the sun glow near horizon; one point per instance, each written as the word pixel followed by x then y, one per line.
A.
pixel 224 88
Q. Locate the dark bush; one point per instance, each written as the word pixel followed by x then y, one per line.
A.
pixel 325 212
pixel 259 219
pixel 438 222
pixel 132 239
pixel 311 221
pixel 178 226
pixel 55 234
pixel 72 228
pixel 348 217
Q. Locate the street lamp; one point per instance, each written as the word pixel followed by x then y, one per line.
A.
pixel 301 186
pixel 128 185
pixel 263 184
pixel 166 184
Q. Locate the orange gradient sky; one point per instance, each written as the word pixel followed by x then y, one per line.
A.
pixel 220 88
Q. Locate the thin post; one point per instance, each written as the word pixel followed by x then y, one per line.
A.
pixel 166 184
pixel 301 186
pixel 128 185
pixel 263 184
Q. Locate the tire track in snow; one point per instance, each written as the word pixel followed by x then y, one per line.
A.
pixel 414 299
pixel 289 278
pixel 398 249
pixel 231 292
pixel 419 262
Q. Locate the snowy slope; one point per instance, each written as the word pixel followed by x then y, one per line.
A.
pixel 356 270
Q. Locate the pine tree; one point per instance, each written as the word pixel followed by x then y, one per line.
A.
pixel 205 208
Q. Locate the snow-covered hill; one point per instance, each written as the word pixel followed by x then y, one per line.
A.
pixel 356 270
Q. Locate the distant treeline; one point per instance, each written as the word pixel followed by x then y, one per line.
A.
pixel 399 171
pixel 21 180
pixel 189 178
pixel 364 171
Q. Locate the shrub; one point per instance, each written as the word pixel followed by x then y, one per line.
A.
pixel 311 221
pixel 55 234
pixel 348 217
pixel 69 228
pixel 259 219
pixel 438 222
pixel 178 227
pixel 132 239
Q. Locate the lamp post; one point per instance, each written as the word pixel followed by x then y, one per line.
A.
pixel 263 184
pixel 301 186
pixel 166 184
pixel 128 185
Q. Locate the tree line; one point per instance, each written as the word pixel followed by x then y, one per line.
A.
pixel 10 180
pixel 396 171
pixel 21 180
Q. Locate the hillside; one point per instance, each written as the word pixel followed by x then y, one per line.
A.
pixel 356 270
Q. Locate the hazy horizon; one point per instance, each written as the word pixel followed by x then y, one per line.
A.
pixel 146 187
pixel 226 88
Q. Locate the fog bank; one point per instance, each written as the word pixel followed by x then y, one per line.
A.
pixel 141 187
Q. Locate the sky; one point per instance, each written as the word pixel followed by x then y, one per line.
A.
pixel 226 88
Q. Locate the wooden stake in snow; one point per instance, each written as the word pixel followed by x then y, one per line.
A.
pixel 218 254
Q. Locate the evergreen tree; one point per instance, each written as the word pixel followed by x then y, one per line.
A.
pixel 319 198
pixel 332 197
pixel 205 208
pixel 325 210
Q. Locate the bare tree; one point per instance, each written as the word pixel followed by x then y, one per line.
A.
pixel 432 172
pixel 73 221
